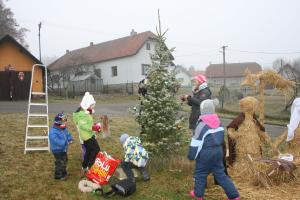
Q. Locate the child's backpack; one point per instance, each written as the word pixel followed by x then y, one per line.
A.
pixel 123 188
pixel 103 168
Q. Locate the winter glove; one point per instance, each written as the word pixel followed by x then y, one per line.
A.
pixel 96 127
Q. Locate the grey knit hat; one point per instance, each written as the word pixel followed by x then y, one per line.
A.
pixel 208 106
pixel 123 138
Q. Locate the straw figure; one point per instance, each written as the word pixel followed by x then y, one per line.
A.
pixel 262 79
pixel 292 134
pixel 246 134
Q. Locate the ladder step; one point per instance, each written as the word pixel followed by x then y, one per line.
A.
pixel 37 115
pixel 37 149
pixel 38 104
pixel 37 126
pixel 37 137
pixel 38 93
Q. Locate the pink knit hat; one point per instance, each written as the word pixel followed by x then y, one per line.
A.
pixel 200 78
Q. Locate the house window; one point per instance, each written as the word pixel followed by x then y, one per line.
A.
pixel 114 71
pixel 148 47
pixel 145 68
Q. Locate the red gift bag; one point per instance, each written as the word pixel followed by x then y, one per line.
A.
pixel 103 168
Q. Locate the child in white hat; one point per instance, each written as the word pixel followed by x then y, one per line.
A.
pixel 87 128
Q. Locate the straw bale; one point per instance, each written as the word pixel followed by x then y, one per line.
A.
pixel 262 172
pixel 292 147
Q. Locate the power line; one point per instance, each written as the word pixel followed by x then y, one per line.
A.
pixel 263 52
pixel 203 53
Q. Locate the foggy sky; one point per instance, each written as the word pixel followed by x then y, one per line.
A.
pixel 197 28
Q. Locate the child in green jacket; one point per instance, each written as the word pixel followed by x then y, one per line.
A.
pixel 87 128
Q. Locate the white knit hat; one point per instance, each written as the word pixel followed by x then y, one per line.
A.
pixel 208 106
pixel 87 101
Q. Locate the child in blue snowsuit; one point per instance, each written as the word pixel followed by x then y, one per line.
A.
pixel 206 149
pixel 60 138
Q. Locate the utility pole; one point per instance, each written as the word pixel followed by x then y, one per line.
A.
pixel 40 26
pixel 281 62
pixel 224 70
pixel 224 73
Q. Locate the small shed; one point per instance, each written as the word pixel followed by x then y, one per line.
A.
pixel 86 82
pixel 15 71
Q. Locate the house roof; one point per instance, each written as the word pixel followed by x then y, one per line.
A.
pixel 231 69
pixel 84 77
pixel 118 48
pixel 8 38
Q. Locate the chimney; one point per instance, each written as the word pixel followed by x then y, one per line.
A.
pixel 133 32
pixel 91 43
pixel 67 51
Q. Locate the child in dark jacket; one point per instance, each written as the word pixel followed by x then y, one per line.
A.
pixel 206 149
pixel 60 138
pixel 201 92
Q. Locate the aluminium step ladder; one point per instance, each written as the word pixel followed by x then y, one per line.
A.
pixel 41 115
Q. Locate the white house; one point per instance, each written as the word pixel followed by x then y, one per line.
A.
pixel 183 76
pixel 118 61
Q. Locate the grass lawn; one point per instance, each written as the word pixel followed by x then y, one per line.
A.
pixel 30 176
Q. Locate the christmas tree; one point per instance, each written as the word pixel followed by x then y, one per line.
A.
pixel 159 107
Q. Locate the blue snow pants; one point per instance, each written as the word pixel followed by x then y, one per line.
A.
pixel 210 160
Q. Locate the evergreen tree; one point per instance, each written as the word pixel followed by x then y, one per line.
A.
pixel 159 107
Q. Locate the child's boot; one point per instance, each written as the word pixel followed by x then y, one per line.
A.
pixel 145 175
pixel 192 195
pixel 59 175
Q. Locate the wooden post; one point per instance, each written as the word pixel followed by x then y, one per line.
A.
pixel 261 102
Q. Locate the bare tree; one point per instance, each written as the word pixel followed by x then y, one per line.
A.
pixel 278 63
pixel 10 26
pixel 292 73
pixel 192 69
pixel 296 64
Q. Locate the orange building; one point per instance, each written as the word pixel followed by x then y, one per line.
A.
pixel 15 70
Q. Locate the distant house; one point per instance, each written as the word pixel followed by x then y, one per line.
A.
pixel 116 62
pixel 184 76
pixel 234 73
pixel 15 70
